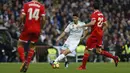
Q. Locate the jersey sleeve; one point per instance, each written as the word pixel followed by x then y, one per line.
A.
pixel 24 9
pixel 67 29
pixel 93 17
pixel 42 13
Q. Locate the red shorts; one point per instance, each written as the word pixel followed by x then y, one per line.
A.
pixel 30 35
pixel 93 42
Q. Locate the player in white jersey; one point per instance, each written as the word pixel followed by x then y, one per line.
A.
pixel 73 40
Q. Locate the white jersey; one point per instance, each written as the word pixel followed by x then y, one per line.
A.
pixel 75 33
pixel 74 36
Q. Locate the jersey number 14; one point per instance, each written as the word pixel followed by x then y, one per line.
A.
pixel 34 14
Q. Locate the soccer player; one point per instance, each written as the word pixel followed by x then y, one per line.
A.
pixel 73 39
pixel 33 12
pixel 98 25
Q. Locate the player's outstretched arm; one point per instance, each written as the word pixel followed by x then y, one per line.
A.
pixel 88 24
pixel 61 36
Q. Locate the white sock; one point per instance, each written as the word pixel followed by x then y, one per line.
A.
pixel 60 57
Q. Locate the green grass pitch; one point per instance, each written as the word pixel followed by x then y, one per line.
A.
pixel 46 68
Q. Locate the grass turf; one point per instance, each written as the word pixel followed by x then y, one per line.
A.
pixel 46 68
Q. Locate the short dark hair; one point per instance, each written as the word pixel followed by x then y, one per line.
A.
pixel 76 14
pixel 96 5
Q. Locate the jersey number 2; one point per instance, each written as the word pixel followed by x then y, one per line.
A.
pixel 100 21
pixel 34 14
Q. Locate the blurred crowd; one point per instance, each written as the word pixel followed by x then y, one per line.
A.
pixel 59 15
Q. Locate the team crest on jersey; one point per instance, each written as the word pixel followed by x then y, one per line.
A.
pixel 74 29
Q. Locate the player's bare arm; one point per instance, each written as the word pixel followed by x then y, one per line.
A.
pixel 88 24
pixel 22 18
pixel 84 34
pixel 21 21
pixel 61 36
pixel 43 22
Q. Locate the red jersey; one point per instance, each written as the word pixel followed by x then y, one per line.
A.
pixel 97 28
pixel 33 11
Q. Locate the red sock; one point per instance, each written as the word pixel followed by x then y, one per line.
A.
pixel 107 54
pixel 85 59
pixel 21 53
pixel 30 54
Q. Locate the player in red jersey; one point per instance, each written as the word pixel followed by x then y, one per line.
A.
pixel 33 12
pixel 98 24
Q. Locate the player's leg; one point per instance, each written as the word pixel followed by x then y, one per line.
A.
pixel 73 53
pixel 29 56
pixel 30 52
pixel 90 44
pixel 21 42
pixel 68 47
pixel 104 53
pixel 60 57
pixel 107 54
pixel 65 59
pixel 66 62
pixel 34 35
pixel 33 38
pixel 20 50
pixel 85 59
pixel 63 55
pixel 64 52
pixel 23 39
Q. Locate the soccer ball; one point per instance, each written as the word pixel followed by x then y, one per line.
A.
pixel 56 65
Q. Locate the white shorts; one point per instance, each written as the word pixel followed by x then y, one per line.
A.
pixel 71 45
